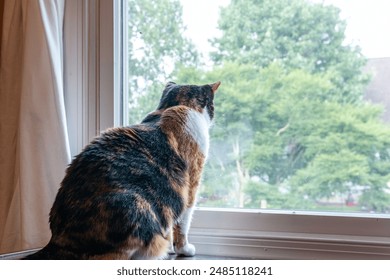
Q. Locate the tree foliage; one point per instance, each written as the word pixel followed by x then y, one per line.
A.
pixel 292 130
pixel 156 48
pixel 298 108
pixel 299 34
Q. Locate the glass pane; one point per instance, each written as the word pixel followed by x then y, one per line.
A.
pixel 303 112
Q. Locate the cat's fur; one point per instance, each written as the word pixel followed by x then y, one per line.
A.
pixel 131 192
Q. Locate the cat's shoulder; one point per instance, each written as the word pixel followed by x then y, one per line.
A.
pixel 185 118
pixel 182 120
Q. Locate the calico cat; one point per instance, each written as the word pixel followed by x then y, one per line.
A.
pixel 131 192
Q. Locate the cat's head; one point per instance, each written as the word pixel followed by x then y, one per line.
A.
pixel 199 98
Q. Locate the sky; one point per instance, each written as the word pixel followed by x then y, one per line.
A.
pixel 368 23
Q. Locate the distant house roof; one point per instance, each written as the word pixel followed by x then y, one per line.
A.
pixel 378 90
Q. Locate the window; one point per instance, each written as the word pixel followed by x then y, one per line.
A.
pixel 295 127
pixel 260 229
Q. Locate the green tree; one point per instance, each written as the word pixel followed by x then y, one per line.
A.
pixel 156 47
pixel 349 151
pixel 297 33
pixel 291 121
pixel 281 137
pixel 291 127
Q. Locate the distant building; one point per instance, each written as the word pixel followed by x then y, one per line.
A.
pixel 378 90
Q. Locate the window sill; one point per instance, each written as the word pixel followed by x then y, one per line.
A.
pixel 273 235
pixel 247 234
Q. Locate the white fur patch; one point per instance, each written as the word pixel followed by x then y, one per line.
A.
pixel 197 125
pixel 188 249
pixel 185 220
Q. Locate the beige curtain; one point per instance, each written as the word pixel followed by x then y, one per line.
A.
pixel 34 149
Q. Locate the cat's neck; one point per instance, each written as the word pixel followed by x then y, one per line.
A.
pixel 187 130
pixel 197 126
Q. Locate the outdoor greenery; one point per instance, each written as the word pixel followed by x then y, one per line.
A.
pixel 292 130
pixel 156 47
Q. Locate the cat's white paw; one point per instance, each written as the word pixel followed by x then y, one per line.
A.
pixel 188 250
pixel 171 250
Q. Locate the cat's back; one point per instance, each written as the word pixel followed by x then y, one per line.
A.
pixel 115 179
pixel 123 153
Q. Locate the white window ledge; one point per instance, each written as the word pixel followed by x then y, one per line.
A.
pixel 285 235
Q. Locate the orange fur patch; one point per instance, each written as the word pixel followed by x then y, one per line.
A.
pixel 178 237
pixel 173 122
pixel 156 249
pixel 144 206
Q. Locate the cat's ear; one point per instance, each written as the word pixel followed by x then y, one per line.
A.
pixel 170 84
pixel 215 86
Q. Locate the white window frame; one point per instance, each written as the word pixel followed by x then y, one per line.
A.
pixel 93 100
pixel 92 86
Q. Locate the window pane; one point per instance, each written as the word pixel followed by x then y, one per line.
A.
pixel 302 115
